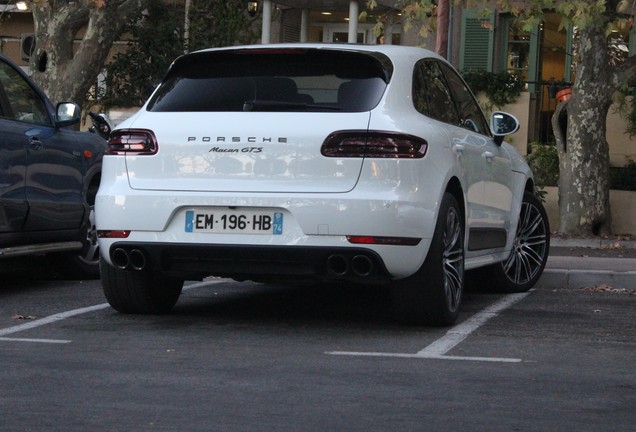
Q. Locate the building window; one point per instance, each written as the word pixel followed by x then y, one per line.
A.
pixel 517 42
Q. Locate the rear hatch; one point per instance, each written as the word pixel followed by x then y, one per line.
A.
pixel 255 120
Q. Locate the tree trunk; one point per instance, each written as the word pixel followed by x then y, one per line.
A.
pixel 67 70
pixel 443 22
pixel 584 156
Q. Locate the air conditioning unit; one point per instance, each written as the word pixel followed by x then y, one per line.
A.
pixel 27 45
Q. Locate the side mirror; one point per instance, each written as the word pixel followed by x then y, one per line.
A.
pixel 502 124
pixel 67 113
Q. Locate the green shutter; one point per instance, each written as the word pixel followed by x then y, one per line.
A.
pixel 476 43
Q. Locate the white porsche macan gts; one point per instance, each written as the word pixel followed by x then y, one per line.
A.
pixel 365 164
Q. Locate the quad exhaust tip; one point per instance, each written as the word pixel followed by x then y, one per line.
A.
pixel 123 259
pixel 338 265
pixel 341 266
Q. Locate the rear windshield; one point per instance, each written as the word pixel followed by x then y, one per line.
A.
pixel 274 80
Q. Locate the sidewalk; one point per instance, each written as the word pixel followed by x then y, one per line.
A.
pixel 590 263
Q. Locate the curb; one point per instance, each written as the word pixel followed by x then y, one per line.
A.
pixel 577 279
pixel 593 243
pixel 564 272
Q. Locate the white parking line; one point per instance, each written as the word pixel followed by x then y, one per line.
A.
pixel 50 341
pixel 68 314
pixel 436 350
pixel 51 319
pixel 48 320
pixel 454 336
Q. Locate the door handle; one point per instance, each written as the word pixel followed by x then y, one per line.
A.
pixel 35 144
pixel 459 149
pixel 489 156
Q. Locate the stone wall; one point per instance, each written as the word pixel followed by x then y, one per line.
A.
pixel 623 205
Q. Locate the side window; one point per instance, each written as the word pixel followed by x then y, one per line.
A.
pixel 470 113
pixel 20 101
pixel 431 95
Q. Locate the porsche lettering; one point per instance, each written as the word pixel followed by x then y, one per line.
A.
pixel 222 139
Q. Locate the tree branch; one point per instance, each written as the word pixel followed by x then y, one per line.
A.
pixel 559 132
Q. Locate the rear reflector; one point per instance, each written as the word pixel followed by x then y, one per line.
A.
pixel 132 141
pixel 113 234
pixel 374 144
pixel 396 241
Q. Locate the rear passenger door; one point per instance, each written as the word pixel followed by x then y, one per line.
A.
pixel 485 168
pixel 496 168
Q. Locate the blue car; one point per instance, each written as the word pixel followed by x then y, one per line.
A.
pixel 49 176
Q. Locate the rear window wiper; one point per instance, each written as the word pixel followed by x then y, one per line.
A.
pixel 274 105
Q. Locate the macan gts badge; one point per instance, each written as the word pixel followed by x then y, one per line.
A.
pixel 393 176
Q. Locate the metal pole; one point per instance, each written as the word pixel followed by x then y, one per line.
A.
pixel 304 25
pixel 353 21
pixel 267 22
pixel 388 32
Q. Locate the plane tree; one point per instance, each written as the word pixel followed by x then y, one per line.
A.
pixel 154 43
pixel 73 40
pixel 583 148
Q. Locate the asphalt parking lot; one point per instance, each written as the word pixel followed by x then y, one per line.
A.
pixel 244 356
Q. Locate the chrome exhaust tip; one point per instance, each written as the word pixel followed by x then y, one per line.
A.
pixel 120 258
pixel 137 259
pixel 337 265
pixel 361 265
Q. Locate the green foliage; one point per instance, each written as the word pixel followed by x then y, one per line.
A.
pixel 501 88
pixel 541 193
pixel 625 106
pixel 624 178
pixel 414 14
pixel 218 23
pixel 630 113
pixel 155 42
pixel 544 162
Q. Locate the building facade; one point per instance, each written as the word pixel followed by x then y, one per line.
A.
pixel 542 57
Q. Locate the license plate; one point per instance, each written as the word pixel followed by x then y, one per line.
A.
pixel 240 221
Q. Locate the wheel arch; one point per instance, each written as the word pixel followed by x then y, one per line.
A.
pixel 530 187
pixel 454 187
pixel 93 178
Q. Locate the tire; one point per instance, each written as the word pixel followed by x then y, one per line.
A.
pixel 530 250
pixel 85 264
pixel 139 292
pixel 433 295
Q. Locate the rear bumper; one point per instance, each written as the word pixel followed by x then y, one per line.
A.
pixel 196 261
pixel 316 226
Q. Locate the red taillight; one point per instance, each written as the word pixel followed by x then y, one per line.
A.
pixel 374 144
pixel 396 241
pixel 113 234
pixel 133 142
